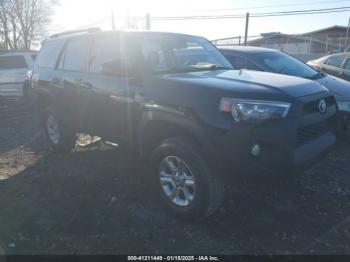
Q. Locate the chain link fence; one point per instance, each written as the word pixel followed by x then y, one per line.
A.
pixel 305 47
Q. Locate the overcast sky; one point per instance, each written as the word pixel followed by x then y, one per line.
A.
pixel 74 14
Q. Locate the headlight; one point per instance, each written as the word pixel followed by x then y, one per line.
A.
pixel 344 106
pixel 254 110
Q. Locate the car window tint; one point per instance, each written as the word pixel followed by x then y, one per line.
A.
pixel 12 62
pixel 334 61
pixel 241 63
pixel 106 50
pixel 281 63
pixel 75 57
pixel 49 53
pixel 161 53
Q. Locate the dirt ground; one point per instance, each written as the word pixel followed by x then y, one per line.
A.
pixel 94 201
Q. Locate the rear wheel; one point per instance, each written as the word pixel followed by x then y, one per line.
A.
pixel 60 137
pixel 187 187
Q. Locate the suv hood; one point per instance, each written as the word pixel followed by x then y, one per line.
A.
pixel 338 87
pixel 248 82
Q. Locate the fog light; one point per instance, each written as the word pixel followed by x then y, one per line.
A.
pixel 256 150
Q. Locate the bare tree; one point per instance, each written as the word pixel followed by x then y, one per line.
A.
pixel 23 21
pixel 5 14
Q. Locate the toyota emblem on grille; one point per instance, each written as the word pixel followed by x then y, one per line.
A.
pixel 322 106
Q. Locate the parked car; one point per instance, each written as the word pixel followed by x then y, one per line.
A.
pixel 13 69
pixel 174 101
pixel 270 60
pixel 337 65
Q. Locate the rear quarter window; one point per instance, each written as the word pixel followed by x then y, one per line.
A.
pixel 49 53
pixel 12 62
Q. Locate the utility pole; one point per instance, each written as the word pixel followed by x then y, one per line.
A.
pixel 112 18
pixel 246 29
pixel 148 21
pixel 347 36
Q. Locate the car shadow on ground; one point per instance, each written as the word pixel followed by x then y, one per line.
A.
pixel 97 201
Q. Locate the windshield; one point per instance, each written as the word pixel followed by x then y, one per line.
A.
pixel 284 64
pixel 178 53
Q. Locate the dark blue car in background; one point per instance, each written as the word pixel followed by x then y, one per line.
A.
pixel 270 60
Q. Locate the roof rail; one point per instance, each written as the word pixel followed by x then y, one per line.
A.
pixel 71 32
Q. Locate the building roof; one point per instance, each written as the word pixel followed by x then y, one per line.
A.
pixel 326 29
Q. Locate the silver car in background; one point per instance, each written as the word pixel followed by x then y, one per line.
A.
pixel 13 71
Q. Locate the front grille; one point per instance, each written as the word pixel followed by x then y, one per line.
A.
pixel 309 133
pixel 313 106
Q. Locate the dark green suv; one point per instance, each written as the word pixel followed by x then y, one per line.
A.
pixel 174 101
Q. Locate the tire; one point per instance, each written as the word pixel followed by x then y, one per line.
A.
pixel 205 191
pixel 59 137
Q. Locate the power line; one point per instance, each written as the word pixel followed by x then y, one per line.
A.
pixel 272 6
pixel 311 13
pixel 305 11
pixel 239 16
pixel 284 13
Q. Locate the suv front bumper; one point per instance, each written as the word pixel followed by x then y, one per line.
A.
pixel 287 145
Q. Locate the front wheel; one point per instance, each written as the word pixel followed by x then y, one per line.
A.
pixel 60 138
pixel 187 187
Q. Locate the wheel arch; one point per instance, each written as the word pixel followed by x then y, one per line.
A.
pixel 156 126
pixel 45 98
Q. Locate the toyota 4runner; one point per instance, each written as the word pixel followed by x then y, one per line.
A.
pixel 174 100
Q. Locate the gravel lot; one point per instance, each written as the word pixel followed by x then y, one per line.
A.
pixel 93 201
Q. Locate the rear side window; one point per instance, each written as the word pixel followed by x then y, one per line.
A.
pixel 241 63
pixel 12 62
pixel 49 54
pixel 334 61
pixel 76 55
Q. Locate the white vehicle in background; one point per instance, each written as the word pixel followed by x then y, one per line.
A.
pixel 13 72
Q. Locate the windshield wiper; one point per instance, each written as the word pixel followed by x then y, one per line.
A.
pixel 215 67
pixel 211 67
pixel 318 75
pixel 219 67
